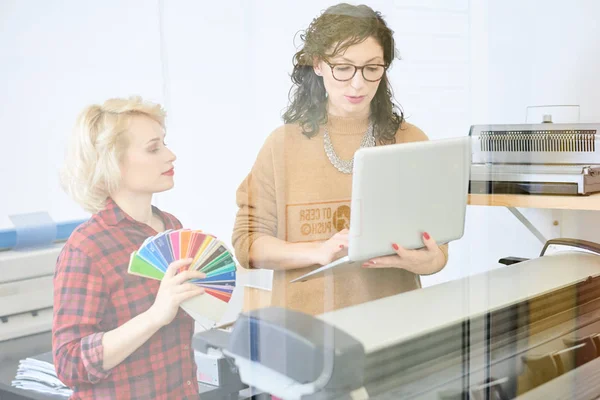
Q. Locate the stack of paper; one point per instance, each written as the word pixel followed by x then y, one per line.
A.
pixel 38 374
pixel 209 255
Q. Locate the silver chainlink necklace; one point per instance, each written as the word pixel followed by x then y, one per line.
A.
pixel 345 166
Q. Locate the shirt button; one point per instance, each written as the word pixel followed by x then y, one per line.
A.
pixel 189 383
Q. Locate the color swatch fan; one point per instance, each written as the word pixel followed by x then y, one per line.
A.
pixel 209 255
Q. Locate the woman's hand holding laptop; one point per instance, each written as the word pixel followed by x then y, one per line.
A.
pixel 334 248
pixel 426 260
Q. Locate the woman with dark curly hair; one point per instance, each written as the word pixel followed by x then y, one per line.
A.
pixel 294 205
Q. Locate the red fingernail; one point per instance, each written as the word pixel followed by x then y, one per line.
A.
pixel 341 246
pixel 426 235
pixel 395 246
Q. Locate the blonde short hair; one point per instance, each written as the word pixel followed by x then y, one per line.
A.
pixel 91 171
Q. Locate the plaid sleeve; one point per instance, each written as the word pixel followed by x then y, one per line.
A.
pixel 80 296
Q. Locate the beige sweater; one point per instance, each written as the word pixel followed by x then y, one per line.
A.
pixel 294 193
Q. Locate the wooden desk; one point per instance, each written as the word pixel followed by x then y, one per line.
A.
pixel 591 202
pixel 556 202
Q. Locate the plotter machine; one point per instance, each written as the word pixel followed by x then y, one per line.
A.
pixel 544 158
pixel 28 257
pixel 26 291
pixel 526 330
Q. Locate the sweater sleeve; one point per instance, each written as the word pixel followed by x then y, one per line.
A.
pixel 257 205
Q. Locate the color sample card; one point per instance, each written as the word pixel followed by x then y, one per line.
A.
pixel 184 241
pixel 174 241
pixel 139 266
pixel 210 256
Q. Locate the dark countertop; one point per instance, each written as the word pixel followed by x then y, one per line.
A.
pixel 11 351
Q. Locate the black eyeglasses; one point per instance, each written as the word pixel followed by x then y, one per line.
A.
pixel 345 72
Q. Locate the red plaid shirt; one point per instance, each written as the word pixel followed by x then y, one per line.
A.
pixel 93 294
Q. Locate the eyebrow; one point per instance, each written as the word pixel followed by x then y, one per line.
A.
pixel 368 61
pixel 156 139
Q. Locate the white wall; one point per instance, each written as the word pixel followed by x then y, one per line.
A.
pixel 550 55
pixel 55 59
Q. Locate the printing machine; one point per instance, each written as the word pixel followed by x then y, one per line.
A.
pixel 544 158
pixel 530 329
pixel 28 255
pixel 26 291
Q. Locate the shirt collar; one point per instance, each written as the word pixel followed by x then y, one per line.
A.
pixel 112 214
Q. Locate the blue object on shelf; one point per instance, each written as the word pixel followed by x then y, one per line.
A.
pixel 33 229
pixel 36 230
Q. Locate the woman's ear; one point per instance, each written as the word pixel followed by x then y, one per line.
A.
pixel 317 66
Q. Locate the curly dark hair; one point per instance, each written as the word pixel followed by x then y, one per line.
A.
pixel 342 26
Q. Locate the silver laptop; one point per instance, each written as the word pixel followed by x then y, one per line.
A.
pixel 400 191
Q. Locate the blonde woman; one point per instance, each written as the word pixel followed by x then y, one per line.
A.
pixel 117 335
